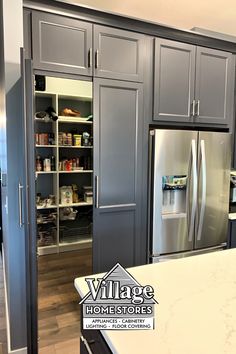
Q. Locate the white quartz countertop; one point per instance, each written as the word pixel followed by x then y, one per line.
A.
pixel 232 216
pixel 196 313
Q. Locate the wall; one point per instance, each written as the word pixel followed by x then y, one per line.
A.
pixel 212 14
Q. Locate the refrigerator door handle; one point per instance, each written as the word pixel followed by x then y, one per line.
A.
pixel 193 169
pixel 203 177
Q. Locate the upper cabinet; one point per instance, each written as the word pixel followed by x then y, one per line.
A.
pixel 192 84
pixel 214 88
pixel 118 54
pixel 61 44
pixel 65 45
pixel 174 80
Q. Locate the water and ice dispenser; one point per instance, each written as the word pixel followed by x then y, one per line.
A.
pixel 174 194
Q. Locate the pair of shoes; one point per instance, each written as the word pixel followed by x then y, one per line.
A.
pixel 69 112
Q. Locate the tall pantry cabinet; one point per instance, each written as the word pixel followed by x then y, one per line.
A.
pixel 114 61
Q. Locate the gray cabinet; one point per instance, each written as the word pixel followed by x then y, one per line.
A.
pixel 214 86
pixel 27 33
pixel 232 234
pixel 118 54
pixel 174 80
pixel 61 44
pixel 192 84
pixel 65 45
pixel 118 115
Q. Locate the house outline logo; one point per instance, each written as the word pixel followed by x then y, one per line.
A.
pixel 118 301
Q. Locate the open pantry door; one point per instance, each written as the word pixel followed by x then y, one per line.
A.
pixel 29 190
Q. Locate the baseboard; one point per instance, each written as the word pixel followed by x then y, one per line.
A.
pixel 17 351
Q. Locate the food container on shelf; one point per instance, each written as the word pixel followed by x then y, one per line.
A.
pixel 66 195
pixel 67 214
pixel 77 138
pixel 88 197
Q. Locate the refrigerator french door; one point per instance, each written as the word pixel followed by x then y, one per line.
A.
pixel 189 195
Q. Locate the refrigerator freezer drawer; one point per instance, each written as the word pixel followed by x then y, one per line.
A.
pixel 171 239
pixel 169 257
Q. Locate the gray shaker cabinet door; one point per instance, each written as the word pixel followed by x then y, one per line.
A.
pixel 62 44
pixel 214 86
pixel 118 54
pixel 118 114
pixel 173 81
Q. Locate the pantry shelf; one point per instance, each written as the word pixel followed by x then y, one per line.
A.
pixel 75 147
pixel 45 146
pixel 82 243
pixel 46 207
pixel 80 171
pixel 50 249
pixel 78 120
pixel 45 172
pixel 74 205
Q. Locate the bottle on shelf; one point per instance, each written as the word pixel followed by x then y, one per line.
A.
pixel 39 164
pixel 53 163
pixel 52 114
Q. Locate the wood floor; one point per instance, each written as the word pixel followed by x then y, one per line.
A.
pixel 58 301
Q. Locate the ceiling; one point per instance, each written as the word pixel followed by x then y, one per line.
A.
pixel 215 15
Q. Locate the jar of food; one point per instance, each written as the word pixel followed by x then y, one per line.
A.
pixel 47 165
pixel 77 139
pixel 66 195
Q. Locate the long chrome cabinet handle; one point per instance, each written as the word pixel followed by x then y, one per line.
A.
pixel 198 108
pixel 194 195
pixel 193 108
pixel 90 63
pixel 203 176
pixel 86 344
pixel 96 59
pixel 20 190
pixel 97 192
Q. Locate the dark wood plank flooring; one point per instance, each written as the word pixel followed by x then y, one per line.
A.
pixel 58 301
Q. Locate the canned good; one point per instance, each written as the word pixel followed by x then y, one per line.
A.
pixel 77 139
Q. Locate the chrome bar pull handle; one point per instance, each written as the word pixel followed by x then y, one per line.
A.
pixel 90 58
pixel 203 201
pixel 97 192
pixel 96 59
pixel 198 108
pixel 193 169
pixel 86 345
pixel 193 108
pixel 20 197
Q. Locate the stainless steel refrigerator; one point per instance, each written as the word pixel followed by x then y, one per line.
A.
pixel 189 192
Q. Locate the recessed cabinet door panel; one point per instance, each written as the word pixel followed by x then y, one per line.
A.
pixel 174 80
pixel 61 44
pixel 214 86
pixel 118 54
pixel 118 173
pixel 117 244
